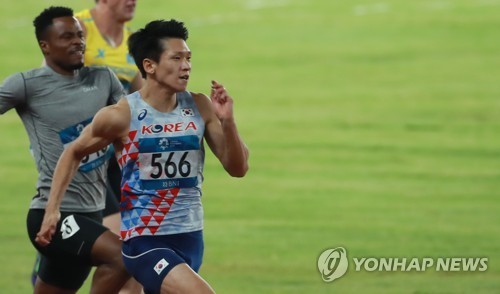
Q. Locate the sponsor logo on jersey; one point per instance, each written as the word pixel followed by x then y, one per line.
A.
pixel 88 89
pixel 142 115
pixel 100 53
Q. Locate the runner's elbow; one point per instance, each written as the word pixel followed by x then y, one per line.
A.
pixel 238 171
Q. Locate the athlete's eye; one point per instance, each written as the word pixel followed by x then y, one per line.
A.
pixel 66 36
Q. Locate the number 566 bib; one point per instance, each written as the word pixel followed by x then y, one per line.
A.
pixel 169 162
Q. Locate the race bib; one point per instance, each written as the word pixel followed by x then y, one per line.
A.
pixel 168 163
pixel 91 161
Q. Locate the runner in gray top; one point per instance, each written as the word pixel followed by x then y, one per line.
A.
pixel 55 103
pixel 54 109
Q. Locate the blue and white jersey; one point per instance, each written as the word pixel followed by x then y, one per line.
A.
pixel 162 166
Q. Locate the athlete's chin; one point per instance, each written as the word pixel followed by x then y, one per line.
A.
pixel 183 83
pixel 127 16
pixel 175 86
pixel 180 88
pixel 130 16
pixel 77 65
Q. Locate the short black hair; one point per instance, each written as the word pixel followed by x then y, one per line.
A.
pixel 46 17
pixel 146 42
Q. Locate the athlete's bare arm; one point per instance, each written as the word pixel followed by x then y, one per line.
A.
pixel 109 125
pixel 221 133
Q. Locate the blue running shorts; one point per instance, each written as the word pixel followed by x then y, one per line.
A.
pixel 150 258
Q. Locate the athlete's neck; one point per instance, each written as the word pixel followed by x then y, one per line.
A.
pixel 158 97
pixel 57 69
pixel 111 29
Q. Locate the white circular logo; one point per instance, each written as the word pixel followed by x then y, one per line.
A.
pixel 80 128
pixel 332 264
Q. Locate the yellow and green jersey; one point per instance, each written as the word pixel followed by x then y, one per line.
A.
pixel 99 52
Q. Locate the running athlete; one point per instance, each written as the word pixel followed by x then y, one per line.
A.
pixel 105 27
pixel 106 33
pixel 55 103
pixel 159 134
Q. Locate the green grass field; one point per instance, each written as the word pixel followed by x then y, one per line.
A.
pixel 372 125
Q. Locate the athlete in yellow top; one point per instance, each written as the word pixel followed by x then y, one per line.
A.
pixel 106 31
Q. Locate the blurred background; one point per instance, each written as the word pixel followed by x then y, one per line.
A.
pixel 372 125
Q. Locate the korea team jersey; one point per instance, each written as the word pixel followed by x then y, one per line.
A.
pixel 99 52
pixel 162 167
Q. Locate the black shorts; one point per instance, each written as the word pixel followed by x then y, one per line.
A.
pixel 112 205
pixel 113 191
pixel 66 261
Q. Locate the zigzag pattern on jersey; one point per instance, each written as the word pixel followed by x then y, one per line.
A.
pixel 130 150
pixel 142 214
pixel 144 219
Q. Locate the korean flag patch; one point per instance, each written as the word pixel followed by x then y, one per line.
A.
pixel 160 266
pixel 187 112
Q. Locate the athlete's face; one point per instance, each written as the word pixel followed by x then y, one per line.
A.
pixel 64 45
pixel 174 66
pixel 123 10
